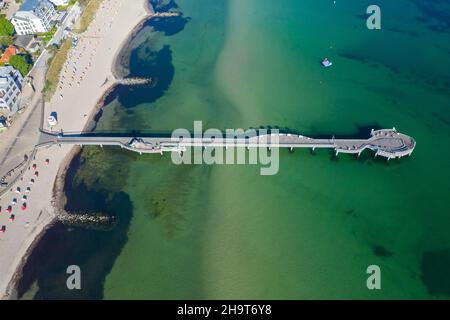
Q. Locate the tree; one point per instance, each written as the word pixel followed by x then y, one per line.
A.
pixel 21 63
pixel 6 27
pixel 5 41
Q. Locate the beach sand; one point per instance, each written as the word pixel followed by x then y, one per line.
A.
pixel 86 77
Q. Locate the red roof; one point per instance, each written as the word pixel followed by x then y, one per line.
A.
pixel 9 52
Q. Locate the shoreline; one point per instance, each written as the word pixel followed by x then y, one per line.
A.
pixel 58 203
pixel 58 198
pixel 132 34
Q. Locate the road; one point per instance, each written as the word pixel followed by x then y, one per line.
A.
pixel 23 135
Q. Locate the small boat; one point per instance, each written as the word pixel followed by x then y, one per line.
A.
pixel 326 63
pixel 3 229
pixel 12 218
pixel 24 207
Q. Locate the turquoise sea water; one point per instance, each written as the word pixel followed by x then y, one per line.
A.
pixel 311 231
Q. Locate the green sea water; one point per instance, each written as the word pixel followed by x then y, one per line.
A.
pixel 311 231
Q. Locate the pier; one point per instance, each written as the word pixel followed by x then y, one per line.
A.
pixel 387 143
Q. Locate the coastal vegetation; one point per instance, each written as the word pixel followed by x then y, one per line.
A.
pixel 47 36
pixel 90 9
pixel 56 64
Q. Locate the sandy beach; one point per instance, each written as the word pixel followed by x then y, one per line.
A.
pixel 85 78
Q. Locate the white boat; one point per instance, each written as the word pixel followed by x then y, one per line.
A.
pixel 326 63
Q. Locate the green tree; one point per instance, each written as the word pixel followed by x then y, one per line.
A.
pixel 21 63
pixel 5 41
pixel 6 27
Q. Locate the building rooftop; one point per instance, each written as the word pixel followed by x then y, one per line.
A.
pixel 9 52
pixel 6 71
pixel 23 41
pixel 29 5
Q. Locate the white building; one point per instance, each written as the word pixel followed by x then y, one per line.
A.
pixel 60 2
pixel 10 89
pixel 38 20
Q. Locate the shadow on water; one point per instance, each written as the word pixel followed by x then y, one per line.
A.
pixel 93 251
pixel 362 132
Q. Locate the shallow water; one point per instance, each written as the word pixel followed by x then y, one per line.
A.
pixel 310 231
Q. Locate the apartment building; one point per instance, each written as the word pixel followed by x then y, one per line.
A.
pixel 38 20
pixel 10 89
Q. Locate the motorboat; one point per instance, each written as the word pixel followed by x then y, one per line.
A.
pixel 326 63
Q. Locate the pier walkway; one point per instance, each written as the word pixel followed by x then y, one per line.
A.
pixel 387 143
